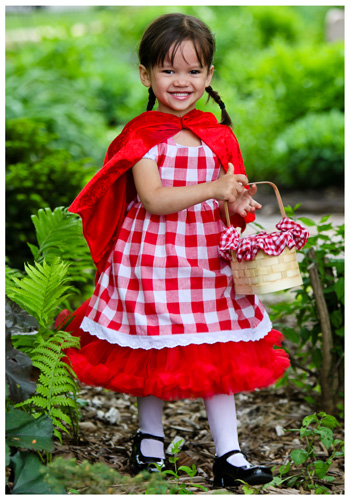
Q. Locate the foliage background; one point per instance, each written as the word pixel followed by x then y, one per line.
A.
pixel 72 83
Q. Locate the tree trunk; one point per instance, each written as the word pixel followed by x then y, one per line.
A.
pixel 326 375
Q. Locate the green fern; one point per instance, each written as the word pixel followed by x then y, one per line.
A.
pixel 42 290
pixel 10 274
pixel 59 234
pixel 55 383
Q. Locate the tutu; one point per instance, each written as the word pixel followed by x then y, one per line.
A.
pixel 193 371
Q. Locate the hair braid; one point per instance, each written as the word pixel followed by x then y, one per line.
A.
pixel 151 99
pixel 225 118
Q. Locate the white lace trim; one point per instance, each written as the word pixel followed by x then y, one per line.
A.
pixel 159 342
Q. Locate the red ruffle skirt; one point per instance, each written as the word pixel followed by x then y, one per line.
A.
pixel 193 371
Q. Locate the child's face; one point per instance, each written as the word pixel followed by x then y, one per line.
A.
pixel 178 86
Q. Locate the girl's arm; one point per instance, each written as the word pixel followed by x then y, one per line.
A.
pixel 160 200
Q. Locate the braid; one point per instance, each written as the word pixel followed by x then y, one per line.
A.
pixel 225 118
pixel 151 99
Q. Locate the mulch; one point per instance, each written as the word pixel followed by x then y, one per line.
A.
pixel 109 420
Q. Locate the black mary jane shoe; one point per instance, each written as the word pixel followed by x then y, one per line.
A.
pixel 138 461
pixel 226 474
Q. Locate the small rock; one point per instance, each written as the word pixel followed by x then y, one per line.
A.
pixel 96 402
pixel 112 415
pixel 279 430
pixel 100 414
pixel 87 426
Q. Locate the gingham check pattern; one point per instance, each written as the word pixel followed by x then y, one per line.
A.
pixel 165 278
pixel 290 234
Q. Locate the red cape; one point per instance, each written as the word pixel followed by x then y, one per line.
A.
pixel 102 202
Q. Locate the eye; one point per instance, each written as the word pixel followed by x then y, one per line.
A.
pixel 195 72
pixel 168 71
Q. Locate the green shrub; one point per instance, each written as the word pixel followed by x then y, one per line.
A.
pixel 317 369
pixel 273 89
pixel 281 22
pixel 301 82
pixel 64 105
pixel 37 175
pixel 313 149
pixel 85 86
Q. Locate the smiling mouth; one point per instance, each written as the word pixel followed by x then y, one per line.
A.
pixel 180 94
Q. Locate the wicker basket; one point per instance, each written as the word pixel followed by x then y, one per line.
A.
pixel 265 274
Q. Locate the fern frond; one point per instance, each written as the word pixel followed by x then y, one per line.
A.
pixel 61 372
pixel 56 432
pixel 38 401
pixel 11 273
pixel 71 371
pixel 63 388
pixel 42 290
pixel 23 342
pixel 62 401
pixel 42 389
pixel 44 367
pixel 50 348
pixel 59 414
pixel 56 382
pixel 58 425
pixel 60 387
pixel 59 234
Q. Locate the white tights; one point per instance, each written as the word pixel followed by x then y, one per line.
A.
pixel 221 412
pixel 150 422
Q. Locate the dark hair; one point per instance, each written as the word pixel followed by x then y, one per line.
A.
pixel 168 32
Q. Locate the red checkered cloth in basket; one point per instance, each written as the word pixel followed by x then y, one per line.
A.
pixel 290 234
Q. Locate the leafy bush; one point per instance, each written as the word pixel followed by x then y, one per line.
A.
pixel 280 22
pixel 47 83
pixel 301 82
pixel 82 81
pixel 321 380
pixel 37 175
pixel 313 149
pixel 274 90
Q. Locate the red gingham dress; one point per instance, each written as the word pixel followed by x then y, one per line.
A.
pixel 164 318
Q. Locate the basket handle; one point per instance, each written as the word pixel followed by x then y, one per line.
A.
pixel 277 193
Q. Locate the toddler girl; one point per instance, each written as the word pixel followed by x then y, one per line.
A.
pixel 164 322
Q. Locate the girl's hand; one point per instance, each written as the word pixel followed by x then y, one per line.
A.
pixel 230 187
pixel 245 202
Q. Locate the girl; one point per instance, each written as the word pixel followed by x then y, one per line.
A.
pixel 164 322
